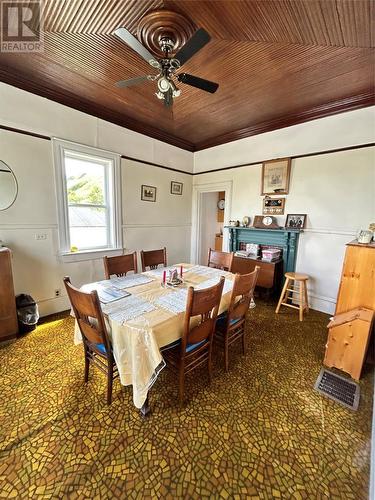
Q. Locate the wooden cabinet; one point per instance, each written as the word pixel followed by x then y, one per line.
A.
pixel 348 338
pixel 270 274
pixel 350 329
pixel 219 243
pixel 8 313
pixel 357 286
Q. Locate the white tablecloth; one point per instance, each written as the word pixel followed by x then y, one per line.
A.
pixel 136 342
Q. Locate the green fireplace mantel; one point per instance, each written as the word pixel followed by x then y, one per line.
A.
pixel 287 239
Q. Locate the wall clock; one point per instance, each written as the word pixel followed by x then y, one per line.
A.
pixel 221 204
pixel 265 222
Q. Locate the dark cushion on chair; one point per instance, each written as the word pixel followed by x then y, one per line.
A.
pixel 189 347
pixel 101 348
pixel 222 321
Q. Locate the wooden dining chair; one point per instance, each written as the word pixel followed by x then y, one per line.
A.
pixel 195 346
pixel 120 265
pixel 96 342
pixel 230 327
pixel 153 258
pixel 220 260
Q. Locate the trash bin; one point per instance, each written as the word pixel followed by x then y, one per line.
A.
pixel 27 313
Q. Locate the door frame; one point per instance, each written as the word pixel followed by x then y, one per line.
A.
pixel 196 223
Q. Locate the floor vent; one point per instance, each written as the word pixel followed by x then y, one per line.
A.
pixel 338 388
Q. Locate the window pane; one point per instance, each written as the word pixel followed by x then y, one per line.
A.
pixel 88 227
pixel 85 181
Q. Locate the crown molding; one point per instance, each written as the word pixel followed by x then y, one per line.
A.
pixel 330 108
pixel 90 108
pixel 345 104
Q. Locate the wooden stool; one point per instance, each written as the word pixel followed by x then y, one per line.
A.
pixel 301 292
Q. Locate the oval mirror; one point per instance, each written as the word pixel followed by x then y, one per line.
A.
pixel 8 186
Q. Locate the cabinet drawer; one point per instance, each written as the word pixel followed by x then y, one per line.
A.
pixel 267 271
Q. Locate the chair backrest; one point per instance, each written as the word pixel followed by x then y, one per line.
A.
pixel 242 293
pixel 89 316
pixel 203 304
pixel 120 265
pixel 152 258
pixel 220 260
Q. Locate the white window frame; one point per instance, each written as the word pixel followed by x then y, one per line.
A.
pixel 113 199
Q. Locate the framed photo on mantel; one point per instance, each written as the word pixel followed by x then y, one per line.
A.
pixel 275 176
pixel 295 221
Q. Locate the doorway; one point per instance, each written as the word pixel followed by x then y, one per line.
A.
pixel 211 212
pixel 212 223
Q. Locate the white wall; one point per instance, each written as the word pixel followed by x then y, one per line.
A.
pixel 37 267
pixel 336 190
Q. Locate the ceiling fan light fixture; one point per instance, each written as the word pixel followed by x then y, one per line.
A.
pixel 176 92
pixel 164 84
pixel 167 41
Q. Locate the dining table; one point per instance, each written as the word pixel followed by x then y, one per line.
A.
pixel 149 317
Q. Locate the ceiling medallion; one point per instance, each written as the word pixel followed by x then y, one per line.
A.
pixel 161 25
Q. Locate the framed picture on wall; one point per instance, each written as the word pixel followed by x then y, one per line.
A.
pixel 148 193
pixel 176 187
pixel 295 221
pixel 275 176
pixel 274 206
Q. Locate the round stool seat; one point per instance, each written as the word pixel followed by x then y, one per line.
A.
pixel 297 276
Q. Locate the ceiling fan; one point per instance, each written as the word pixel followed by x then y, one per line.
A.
pixel 167 65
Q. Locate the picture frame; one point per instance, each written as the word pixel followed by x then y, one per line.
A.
pixel 176 187
pixel 148 193
pixel 276 176
pixel 295 221
pixel 273 206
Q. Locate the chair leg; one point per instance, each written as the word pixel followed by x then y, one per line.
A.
pixel 282 295
pixel 181 386
pixel 109 382
pixel 306 297
pixel 226 353
pixel 301 305
pixel 87 367
pixel 209 364
pixel 243 343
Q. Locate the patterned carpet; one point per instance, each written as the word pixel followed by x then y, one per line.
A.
pixel 259 431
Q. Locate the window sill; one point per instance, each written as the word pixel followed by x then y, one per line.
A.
pixel 90 254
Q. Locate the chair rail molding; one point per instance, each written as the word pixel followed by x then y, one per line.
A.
pixel 196 226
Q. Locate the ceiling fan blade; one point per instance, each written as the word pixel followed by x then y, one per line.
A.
pixel 199 83
pixel 132 81
pixel 136 45
pixel 168 98
pixel 192 46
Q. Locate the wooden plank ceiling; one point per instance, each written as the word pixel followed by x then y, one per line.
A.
pixel 278 62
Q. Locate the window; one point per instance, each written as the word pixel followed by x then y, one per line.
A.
pixel 88 195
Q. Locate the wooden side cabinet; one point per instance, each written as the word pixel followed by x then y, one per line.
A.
pixel 357 285
pixel 348 338
pixel 8 313
pixel 270 274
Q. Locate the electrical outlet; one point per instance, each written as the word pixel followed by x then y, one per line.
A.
pixel 57 292
pixel 41 236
